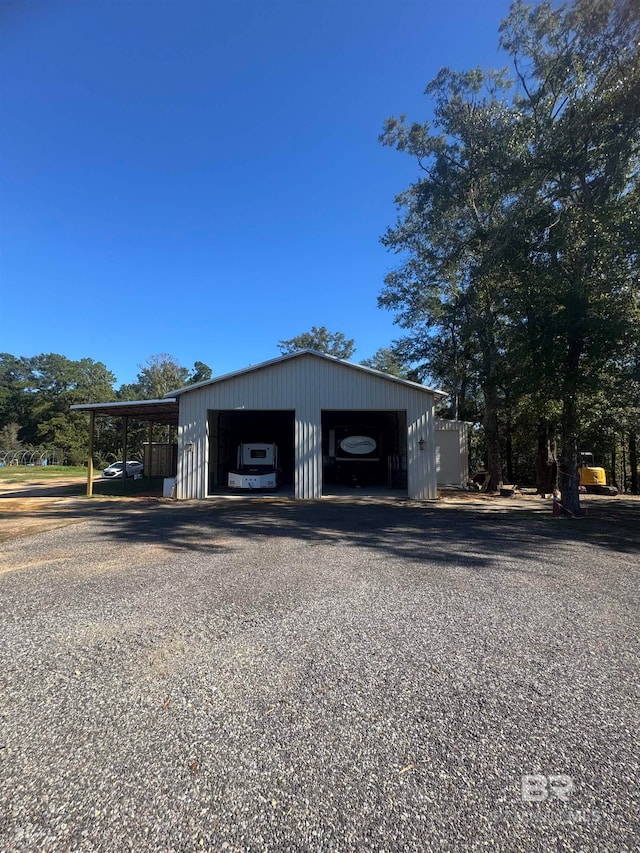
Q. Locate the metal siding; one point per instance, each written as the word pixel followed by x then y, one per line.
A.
pixel 191 477
pixel 308 448
pixel 308 454
pixel 421 464
pixel 464 454
pixel 307 385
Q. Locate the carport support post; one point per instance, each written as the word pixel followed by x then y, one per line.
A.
pixel 150 442
pixel 92 431
pixel 125 449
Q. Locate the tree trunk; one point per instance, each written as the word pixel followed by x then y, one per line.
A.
pixel 569 461
pixel 509 442
pixel 492 436
pixel 614 463
pixel 633 462
pixel 546 461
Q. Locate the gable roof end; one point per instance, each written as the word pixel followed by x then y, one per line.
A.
pixel 298 354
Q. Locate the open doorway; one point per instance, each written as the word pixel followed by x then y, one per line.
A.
pixel 364 451
pixel 229 429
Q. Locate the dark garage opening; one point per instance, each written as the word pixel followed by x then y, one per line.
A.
pixel 228 429
pixel 364 450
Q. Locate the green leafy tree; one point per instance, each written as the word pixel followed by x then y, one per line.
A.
pixel 389 360
pixel 320 339
pixel 36 394
pixel 14 402
pixel 577 96
pixel 451 234
pixel 9 437
pixel 522 229
pixel 447 359
pixel 161 374
pixel 201 372
pixel 158 376
pixel 56 383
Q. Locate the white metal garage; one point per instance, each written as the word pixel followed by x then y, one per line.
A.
pixel 300 400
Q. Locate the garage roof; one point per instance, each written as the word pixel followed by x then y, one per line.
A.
pixel 163 411
pixel 299 354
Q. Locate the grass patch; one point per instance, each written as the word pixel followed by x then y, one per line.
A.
pixel 25 473
pixel 120 488
pixel 71 481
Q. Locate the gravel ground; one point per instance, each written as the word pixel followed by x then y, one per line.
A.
pixel 341 676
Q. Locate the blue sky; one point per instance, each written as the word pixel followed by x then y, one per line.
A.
pixel 205 178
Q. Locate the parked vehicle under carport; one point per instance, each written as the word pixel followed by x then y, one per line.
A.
pixel 114 470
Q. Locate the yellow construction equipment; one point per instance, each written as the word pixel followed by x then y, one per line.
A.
pixel 593 478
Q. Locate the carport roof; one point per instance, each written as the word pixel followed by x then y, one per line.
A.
pixel 163 411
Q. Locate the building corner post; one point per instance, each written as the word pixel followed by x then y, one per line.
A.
pixel 150 448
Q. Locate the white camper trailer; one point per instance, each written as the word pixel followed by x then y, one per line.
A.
pixel 257 467
pixel 355 455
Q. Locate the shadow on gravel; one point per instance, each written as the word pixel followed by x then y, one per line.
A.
pixel 476 537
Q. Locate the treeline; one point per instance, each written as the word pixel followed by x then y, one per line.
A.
pixel 519 242
pixel 36 394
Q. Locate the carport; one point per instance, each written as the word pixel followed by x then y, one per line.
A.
pixel 153 412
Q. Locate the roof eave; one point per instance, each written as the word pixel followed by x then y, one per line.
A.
pixel 122 403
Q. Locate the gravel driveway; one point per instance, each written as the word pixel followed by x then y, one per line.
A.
pixel 343 676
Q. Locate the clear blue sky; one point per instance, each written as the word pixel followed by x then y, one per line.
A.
pixel 204 178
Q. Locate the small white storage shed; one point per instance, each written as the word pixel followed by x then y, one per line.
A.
pixel 452 452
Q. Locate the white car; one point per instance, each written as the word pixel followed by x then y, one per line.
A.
pixel 115 470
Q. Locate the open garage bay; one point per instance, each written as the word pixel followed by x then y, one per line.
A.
pixel 364 451
pixel 229 429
